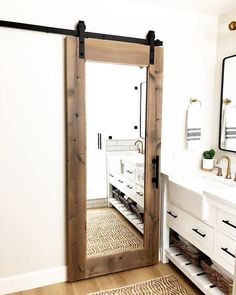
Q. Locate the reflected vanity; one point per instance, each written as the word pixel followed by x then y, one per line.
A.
pixel 227 137
pixel 115 111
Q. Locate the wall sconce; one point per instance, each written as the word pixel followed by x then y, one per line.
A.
pixel 232 26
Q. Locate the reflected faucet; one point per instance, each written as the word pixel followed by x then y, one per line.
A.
pixel 227 158
pixel 140 150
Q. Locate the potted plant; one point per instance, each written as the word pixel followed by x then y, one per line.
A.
pixel 207 162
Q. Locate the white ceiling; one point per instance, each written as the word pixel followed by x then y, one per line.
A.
pixel 216 7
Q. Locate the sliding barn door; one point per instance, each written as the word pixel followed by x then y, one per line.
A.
pixel 80 265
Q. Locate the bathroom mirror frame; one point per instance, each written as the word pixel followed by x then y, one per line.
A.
pixel 222 103
pixel 79 265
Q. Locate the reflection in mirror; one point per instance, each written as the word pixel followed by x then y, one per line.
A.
pixel 115 158
pixel 228 105
pixel 143 95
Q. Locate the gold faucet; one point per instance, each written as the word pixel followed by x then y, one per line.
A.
pixel 228 173
pixel 140 150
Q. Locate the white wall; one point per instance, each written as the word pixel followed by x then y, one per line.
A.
pixel 112 109
pixel 226 46
pixel 32 135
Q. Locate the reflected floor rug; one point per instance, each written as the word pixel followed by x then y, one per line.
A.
pixel 108 234
pixel 166 285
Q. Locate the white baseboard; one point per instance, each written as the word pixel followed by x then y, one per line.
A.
pixel 33 280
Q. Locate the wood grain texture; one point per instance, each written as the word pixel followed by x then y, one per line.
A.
pixel 76 162
pixel 115 281
pixel 80 266
pixel 153 149
pixel 116 52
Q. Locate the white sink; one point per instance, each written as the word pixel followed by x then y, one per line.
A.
pixel 135 159
pixel 188 192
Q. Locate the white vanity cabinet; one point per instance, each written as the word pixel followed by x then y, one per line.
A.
pixel 215 236
pixel 126 173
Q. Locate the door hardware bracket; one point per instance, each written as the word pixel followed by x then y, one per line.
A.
pixel 81 30
pixel 151 42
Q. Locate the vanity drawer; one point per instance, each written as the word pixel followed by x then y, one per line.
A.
pixel 225 247
pixel 140 176
pixel 117 180
pixel 113 178
pixel 201 232
pixel 174 216
pixel 227 222
pixel 139 195
pixel 129 188
pixel 129 172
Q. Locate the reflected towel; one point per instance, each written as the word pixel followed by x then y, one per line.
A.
pixel 194 126
pixel 228 128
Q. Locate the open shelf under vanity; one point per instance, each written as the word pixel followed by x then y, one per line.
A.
pixel 194 273
pixel 131 217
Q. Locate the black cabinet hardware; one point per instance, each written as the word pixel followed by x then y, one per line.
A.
pixel 111 175
pixel 200 234
pixel 130 172
pixel 200 274
pixel 129 186
pixel 120 181
pixel 140 194
pixel 228 223
pixel 171 214
pixel 156 178
pixel 212 286
pixel 227 251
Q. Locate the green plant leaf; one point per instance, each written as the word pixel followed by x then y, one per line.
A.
pixel 209 154
pixel 212 153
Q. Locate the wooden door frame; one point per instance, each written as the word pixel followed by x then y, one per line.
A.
pixel 79 266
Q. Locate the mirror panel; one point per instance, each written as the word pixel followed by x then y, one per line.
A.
pixel 115 157
pixel 227 136
pixel 143 100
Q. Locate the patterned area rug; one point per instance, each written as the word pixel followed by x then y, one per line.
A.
pixel 108 234
pixel 167 285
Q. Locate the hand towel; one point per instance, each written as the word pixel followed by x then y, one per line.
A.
pixel 194 126
pixel 228 128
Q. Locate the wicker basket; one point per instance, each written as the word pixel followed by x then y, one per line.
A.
pixel 116 194
pixel 194 258
pixel 223 283
pixel 136 211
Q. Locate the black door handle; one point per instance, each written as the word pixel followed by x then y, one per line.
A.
pixel 156 178
pixel 99 141
pixel 196 231
pixel 227 251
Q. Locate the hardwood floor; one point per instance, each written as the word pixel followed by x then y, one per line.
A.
pixel 115 281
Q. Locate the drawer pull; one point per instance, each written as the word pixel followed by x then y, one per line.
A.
pixel 228 223
pixel 120 181
pixel 130 172
pixel 226 250
pixel 140 194
pixel 200 234
pixel 171 214
pixel 111 175
pixel 129 186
